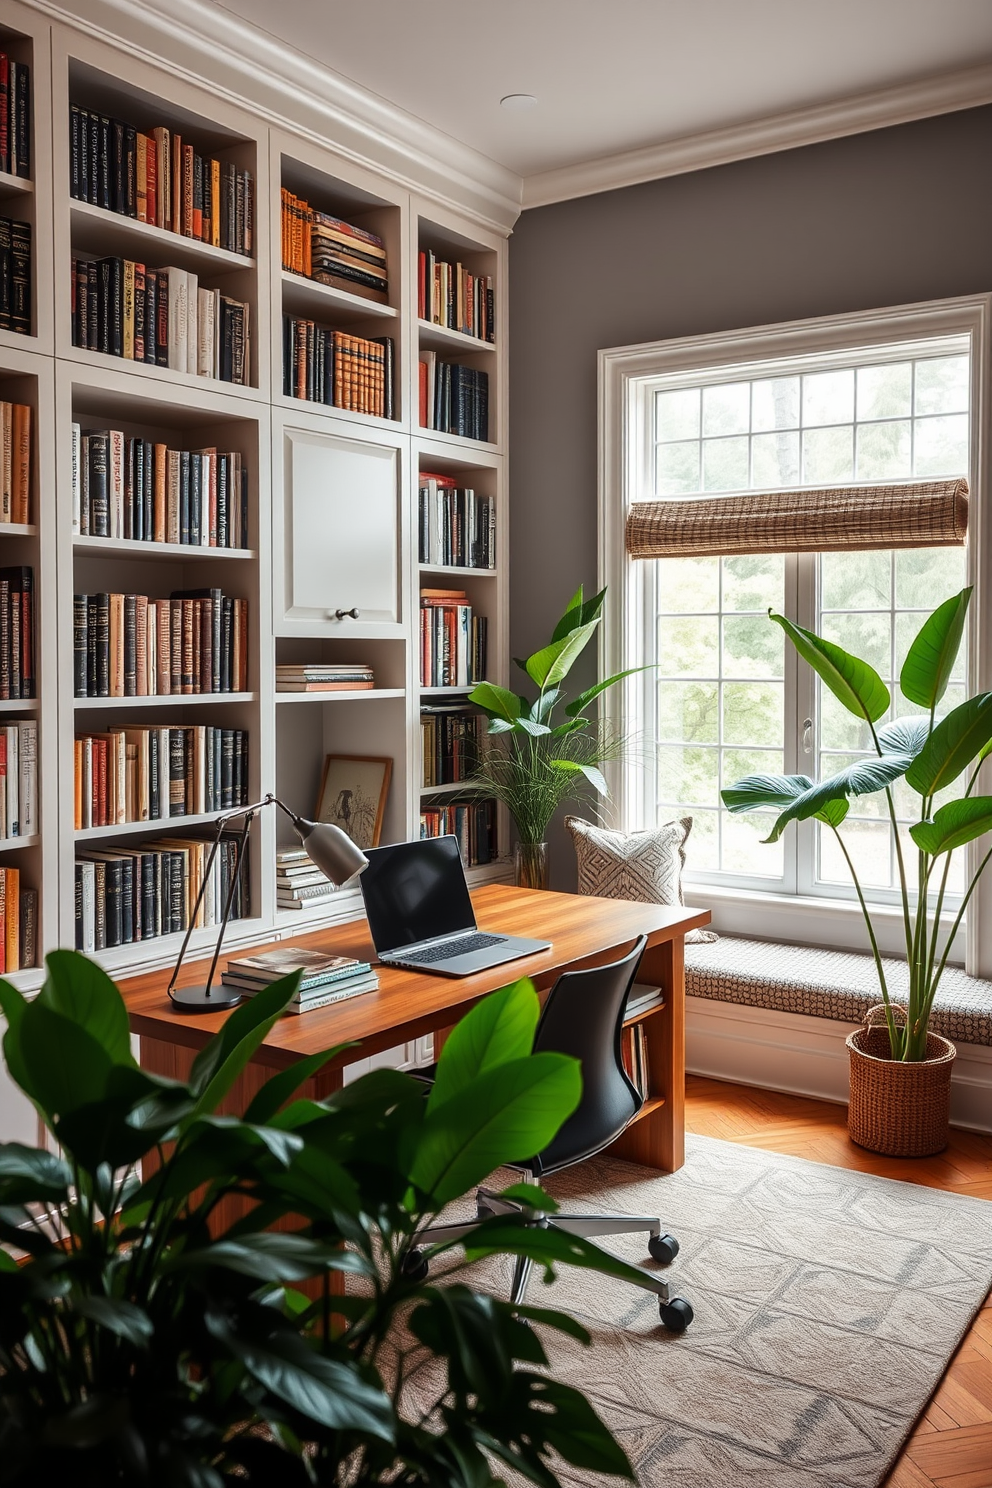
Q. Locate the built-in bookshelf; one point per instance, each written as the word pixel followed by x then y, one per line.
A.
pixel 325 554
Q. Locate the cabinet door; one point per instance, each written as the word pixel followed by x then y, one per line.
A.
pixel 342 538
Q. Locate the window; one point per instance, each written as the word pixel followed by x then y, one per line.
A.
pixel 725 695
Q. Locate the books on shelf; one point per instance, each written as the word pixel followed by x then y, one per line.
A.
pixel 127 645
pixel 641 999
pixel 451 737
pixel 15 118
pixel 452 640
pixel 159 178
pixel 150 773
pixel 142 489
pixel 15 276
pixel 449 295
pixel 299 882
pixel 125 895
pixel 325 978
pixel 18 922
pixel 325 677
pixel 15 462
pixel 332 251
pixel 634 1052
pixel 457 527
pixel 325 366
pixel 453 399
pixel 473 822
pixel 162 317
pixel 18 779
pixel 17 648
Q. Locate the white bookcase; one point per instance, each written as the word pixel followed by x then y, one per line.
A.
pixel 332 493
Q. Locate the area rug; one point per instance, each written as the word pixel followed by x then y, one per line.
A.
pixel 827 1305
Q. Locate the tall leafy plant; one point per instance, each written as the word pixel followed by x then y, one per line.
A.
pixel 929 753
pixel 535 762
pixel 186 1326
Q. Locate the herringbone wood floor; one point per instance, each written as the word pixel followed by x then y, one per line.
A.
pixel 951 1446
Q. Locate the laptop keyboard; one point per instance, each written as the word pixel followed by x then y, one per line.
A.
pixel 460 947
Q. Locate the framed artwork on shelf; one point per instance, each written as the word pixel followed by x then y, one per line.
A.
pixel 353 792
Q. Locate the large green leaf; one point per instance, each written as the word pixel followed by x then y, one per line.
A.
pixel 274 1255
pixel 116 1315
pixel 861 778
pixel 31 1175
pixel 904 735
pixel 215 1068
pixel 328 1391
pixel 579 612
pixel 552 663
pixel 954 825
pixel 282 1087
pixel 510 1113
pixel 852 681
pixel 15 1005
pixel 66 1067
pixel 496 700
pixel 955 742
pixel 930 659
pixel 81 991
pixel 755 791
pixel 499 1028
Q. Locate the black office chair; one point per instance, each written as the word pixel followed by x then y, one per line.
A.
pixel 583 1016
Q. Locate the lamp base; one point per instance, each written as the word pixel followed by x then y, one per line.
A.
pixel 215 999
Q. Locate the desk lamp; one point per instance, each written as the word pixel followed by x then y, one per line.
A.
pixel 329 849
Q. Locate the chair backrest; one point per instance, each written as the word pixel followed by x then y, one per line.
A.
pixel 583 1016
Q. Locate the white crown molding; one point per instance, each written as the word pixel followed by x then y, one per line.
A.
pixel 209 46
pixel 807 126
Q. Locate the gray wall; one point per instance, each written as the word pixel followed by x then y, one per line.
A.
pixel 885 218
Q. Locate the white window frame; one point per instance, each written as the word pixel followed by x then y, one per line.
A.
pixel 625 373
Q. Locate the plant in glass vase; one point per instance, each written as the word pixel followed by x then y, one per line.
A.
pixel 929 753
pixel 533 763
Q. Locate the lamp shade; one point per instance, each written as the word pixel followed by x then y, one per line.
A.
pixel 331 850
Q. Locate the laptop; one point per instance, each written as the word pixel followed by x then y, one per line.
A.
pixel 420 913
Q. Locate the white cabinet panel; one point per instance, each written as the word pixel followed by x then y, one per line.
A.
pixel 18 1117
pixel 342 541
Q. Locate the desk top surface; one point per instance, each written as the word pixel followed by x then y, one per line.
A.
pixel 408 1004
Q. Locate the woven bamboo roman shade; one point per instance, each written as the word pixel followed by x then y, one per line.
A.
pixel 923 514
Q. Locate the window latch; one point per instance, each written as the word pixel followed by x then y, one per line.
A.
pixel 807 736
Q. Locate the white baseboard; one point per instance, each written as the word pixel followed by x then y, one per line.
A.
pixel 806 1056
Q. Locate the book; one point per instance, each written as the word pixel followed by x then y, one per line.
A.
pixel 160 316
pixel 15 276
pixel 641 998
pixel 317 968
pixel 451 295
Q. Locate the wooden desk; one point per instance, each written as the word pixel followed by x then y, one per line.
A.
pixel 407 1005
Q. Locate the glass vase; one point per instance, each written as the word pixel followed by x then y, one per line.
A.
pixel 530 865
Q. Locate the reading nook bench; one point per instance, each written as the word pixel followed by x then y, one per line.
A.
pixel 777 1015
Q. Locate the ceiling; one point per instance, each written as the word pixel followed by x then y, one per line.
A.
pixel 612 76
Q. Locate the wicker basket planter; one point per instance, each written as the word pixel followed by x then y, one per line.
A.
pixel 899 1109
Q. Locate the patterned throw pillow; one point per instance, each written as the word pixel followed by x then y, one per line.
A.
pixel 645 866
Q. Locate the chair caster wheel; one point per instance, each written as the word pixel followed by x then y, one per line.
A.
pixel 414 1266
pixel 663 1248
pixel 676 1315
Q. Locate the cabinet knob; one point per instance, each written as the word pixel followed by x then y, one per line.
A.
pixel 342 614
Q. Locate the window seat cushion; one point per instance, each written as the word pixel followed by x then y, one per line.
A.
pixel 829 984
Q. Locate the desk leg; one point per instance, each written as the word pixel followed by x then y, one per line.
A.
pixel 657 1137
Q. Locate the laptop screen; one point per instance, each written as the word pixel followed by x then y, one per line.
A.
pixel 415 891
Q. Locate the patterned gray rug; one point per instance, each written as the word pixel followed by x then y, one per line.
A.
pixel 827 1305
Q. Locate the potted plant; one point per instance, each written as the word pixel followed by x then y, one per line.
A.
pixel 900 1071
pixel 154 1327
pixel 534 763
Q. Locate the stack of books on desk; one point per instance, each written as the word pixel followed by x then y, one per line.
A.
pixel 299 883
pixel 318 677
pixel 324 979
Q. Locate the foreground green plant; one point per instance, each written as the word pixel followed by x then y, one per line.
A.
pixel 929 753
pixel 154 1331
pixel 534 764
